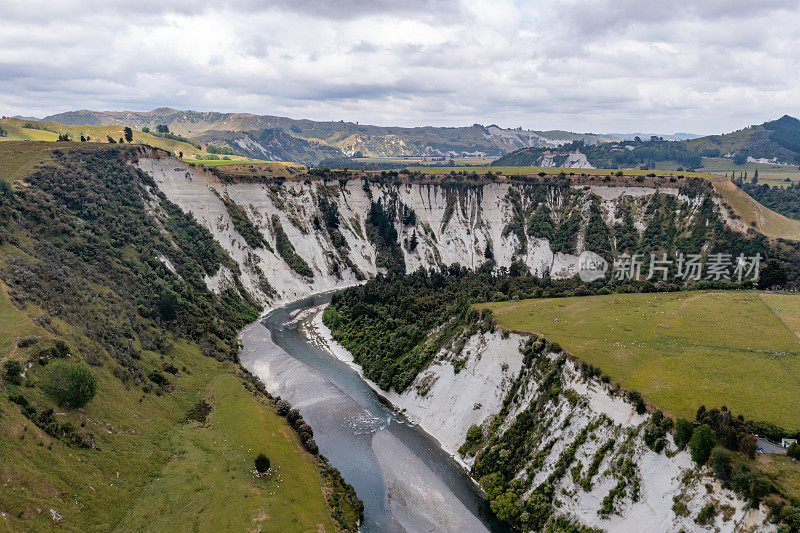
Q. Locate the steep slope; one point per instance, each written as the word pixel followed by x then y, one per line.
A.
pixel 553 446
pixel 326 233
pixel 756 215
pixel 101 274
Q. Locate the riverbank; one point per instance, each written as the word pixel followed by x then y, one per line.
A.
pixel 406 481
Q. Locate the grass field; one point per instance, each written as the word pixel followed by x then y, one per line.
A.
pixel 681 350
pixel 17 132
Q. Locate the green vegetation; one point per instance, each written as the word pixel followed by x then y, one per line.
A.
pixel 783 200
pixel 385 323
pixel 701 443
pixel 286 250
pixel 221 150
pixel 662 344
pixel 382 233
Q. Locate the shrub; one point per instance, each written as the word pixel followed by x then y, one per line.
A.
pixel 640 407
pixel 158 378
pixel 71 385
pixel 701 443
pixel 706 514
pixel 793 451
pixel 13 371
pixel 262 463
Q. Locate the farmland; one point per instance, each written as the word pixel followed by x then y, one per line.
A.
pixel 681 350
pixel 530 171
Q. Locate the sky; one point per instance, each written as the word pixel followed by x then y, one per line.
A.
pixel 581 65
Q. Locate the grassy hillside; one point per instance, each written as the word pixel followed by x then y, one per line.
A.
pixel 754 214
pixel 49 131
pixel 681 350
pixel 96 267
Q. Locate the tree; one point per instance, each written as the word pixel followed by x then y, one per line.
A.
pixel 748 445
pixel 162 128
pixel 262 463
pixel 180 155
pixel 64 137
pixel 13 371
pixel 121 140
pixel 71 385
pixel 772 275
pixel 111 139
pixel 83 139
pixel 683 432
pixel 128 134
pixel 701 443
pixel 739 158
pixel 505 507
pixel 145 130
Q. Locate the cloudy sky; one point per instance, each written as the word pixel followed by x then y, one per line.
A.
pixel 583 65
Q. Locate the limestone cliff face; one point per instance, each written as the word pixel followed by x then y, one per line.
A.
pixel 435 224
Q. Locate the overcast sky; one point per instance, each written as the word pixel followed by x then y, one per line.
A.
pixel 582 65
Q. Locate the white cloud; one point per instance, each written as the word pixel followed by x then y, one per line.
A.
pixel 591 65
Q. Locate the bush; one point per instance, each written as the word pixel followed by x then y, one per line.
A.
pixel 721 463
pixel 793 451
pixel 706 514
pixel 13 371
pixel 683 432
pixel 71 385
pixel 262 463
pixel 701 443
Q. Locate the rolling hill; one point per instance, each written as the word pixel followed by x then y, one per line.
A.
pixel 348 138
pixel 776 140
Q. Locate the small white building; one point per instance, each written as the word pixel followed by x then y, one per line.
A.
pixel 787 442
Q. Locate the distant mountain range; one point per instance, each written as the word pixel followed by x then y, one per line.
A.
pixel 308 141
pixel 312 142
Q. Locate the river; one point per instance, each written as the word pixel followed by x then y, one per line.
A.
pixel 406 481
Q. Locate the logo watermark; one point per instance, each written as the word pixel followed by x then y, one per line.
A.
pixel 661 266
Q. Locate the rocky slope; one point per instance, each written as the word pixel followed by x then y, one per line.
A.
pixel 329 226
